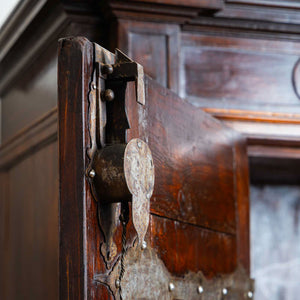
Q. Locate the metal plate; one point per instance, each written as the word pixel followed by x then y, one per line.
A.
pixel 146 277
pixel 139 175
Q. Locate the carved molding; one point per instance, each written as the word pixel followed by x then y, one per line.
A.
pixel 37 135
pixel 270 3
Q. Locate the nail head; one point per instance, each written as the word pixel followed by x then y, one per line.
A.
pixel 224 291
pixel 144 245
pixel 92 173
pixel 117 283
pixel 200 289
pixel 171 286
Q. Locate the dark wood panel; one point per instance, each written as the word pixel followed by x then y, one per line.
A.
pixel 268 3
pixel 280 21
pixel 75 66
pixel 242 203
pixel 155 46
pixel 25 103
pixel 194 156
pixel 29 212
pixel 211 4
pixel 30 253
pixel 194 159
pixel 28 140
pixel 151 51
pixel 274 171
pixel 4 219
pixel 243 71
pixel 185 247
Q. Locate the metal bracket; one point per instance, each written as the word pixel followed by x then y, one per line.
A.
pixel 146 277
pixel 127 69
pixel 118 172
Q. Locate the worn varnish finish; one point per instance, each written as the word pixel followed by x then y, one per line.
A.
pixel 240 63
pixel 197 185
pixel 196 160
pixel 265 31
pixel 75 66
pixel 190 164
pixel 184 247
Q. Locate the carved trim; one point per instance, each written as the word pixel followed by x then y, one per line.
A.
pixel 275 135
pixel 256 116
pixel 233 26
pixel 37 135
pixel 268 3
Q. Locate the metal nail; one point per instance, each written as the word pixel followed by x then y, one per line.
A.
pixel 224 291
pixel 250 294
pixel 92 173
pixel 144 245
pixel 171 286
pixel 200 289
pixel 117 283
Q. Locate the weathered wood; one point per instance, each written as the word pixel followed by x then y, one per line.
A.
pixel 75 65
pixel 264 32
pixel 194 159
pixel 199 192
pixel 184 248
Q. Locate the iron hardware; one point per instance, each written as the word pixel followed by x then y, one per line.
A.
pixel 119 171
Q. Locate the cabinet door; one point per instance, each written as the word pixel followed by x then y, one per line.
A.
pixel 193 242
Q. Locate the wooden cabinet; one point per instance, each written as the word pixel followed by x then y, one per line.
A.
pixel 238 61
pixel 199 209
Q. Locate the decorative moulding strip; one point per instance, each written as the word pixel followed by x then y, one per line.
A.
pixel 270 3
pixel 205 4
pixel 13 28
pixel 275 135
pixel 37 135
pixel 254 116
pixel 41 42
pixel 274 152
